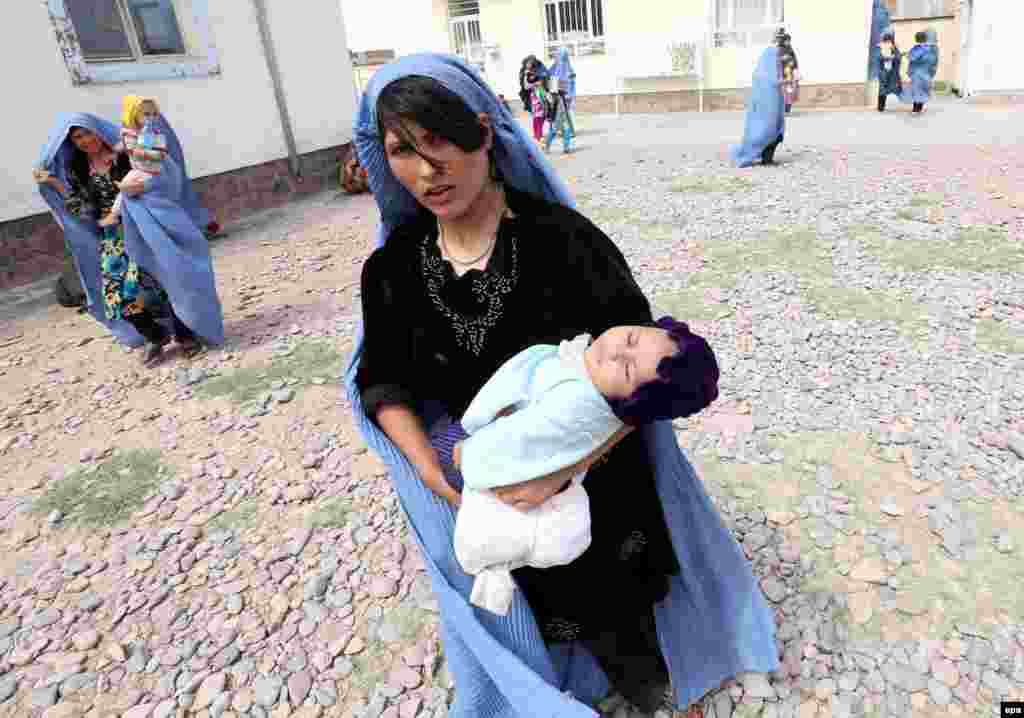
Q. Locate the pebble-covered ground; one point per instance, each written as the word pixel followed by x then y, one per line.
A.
pixel 212 539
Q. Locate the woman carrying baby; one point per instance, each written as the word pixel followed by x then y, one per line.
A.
pixel 482 256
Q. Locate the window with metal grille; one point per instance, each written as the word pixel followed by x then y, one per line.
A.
pixel 461 8
pixel 921 8
pixel 573 19
pixel 125 30
pixel 744 23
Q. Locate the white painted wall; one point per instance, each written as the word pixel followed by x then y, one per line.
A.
pixel 405 26
pixel 225 122
pixel 830 38
pixel 992 64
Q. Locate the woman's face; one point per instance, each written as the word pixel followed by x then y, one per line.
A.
pixel 86 141
pixel 452 181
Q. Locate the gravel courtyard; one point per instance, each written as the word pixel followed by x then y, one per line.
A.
pixel 212 539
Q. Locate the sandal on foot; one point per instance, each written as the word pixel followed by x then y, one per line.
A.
pixel 151 353
pixel 190 348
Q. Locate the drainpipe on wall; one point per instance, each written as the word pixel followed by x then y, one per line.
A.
pixel 275 79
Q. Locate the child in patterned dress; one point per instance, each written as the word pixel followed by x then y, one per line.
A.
pixel 143 141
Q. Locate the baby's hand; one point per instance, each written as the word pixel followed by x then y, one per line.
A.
pixel 41 176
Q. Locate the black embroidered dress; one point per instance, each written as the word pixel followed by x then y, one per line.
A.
pixel 432 335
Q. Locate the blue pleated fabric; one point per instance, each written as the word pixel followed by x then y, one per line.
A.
pixel 189 199
pixel 159 234
pixel 766 111
pixel 922 64
pixel 880 22
pixel 715 622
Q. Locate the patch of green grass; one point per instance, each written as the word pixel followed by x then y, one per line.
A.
pixel 370 668
pixel 998 337
pixel 844 303
pixel 409 620
pixel 242 515
pixel 906 214
pixel 978 250
pixel 689 303
pixel 330 514
pixel 700 185
pixel 660 232
pixel 108 493
pixel 799 251
pixel 309 359
pixel 926 199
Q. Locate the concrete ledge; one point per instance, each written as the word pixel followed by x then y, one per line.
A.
pixel 827 95
pixel 33 247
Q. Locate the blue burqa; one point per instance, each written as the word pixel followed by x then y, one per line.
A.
pixel 714 623
pixel 159 234
pixel 880 21
pixel 922 64
pixel 189 199
pixel 562 72
pixel 766 111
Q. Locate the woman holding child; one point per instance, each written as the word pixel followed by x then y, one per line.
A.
pixel 133 225
pixel 481 256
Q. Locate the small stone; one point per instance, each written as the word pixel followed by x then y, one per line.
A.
pixel 869 570
pixel 86 640
pixel 282 396
pixel 383 587
pixel 774 590
pixel 266 689
pixel 209 689
pixel 824 689
pixel 939 692
pixel 64 709
pixel 143 710
pixel 756 685
pixel 302 492
pixel 298 686
pixel 165 709
pixel 904 677
pixel 8 687
pixel 43 697
pixel 889 507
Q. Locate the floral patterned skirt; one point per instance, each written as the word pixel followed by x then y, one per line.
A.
pixel 128 290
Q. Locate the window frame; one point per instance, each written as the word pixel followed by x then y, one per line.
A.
pixel 578 42
pixel 744 36
pixel 200 58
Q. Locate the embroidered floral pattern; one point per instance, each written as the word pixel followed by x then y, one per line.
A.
pixel 560 630
pixel 489 290
pixel 635 543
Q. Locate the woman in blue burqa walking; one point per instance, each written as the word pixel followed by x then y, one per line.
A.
pixel 765 123
pixel 481 255
pixel 149 277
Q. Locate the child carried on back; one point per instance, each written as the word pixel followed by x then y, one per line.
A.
pixel 567 401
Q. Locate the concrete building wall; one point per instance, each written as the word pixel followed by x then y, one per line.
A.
pixel 830 39
pixel 992 63
pixel 226 121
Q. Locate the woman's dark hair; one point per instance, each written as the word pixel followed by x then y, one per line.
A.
pixel 433 107
pixel 687 381
pixel 921 37
pixel 79 164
